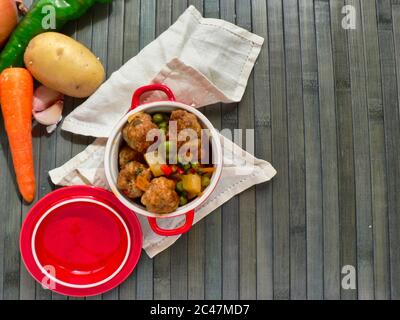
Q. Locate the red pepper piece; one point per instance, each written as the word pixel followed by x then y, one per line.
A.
pixel 166 169
pixel 180 170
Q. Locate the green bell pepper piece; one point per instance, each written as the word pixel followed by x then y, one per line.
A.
pixel 31 25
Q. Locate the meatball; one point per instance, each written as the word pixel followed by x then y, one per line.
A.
pixel 186 120
pixel 127 155
pixel 135 131
pixel 161 196
pixel 127 179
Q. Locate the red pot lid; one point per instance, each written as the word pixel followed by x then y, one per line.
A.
pixel 80 241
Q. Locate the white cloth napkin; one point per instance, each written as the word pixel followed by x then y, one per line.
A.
pixel 204 61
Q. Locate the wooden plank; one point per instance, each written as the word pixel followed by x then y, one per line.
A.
pixel 330 203
pixel 162 262
pixel 11 213
pixel 294 93
pixel 4 189
pixel 115 41
pixel 199 4
pixel 178 7
pixel 83 34
pixel 262 109
pixel 147 22
pixel 4 169
pixel 347 204
pixel 280 156
pixel 213 222
pixel 348 246
pixel 127 290
pixel 131 29
pixel 377 150
pixel 392 137
pixel 396 35
pixel 164 14
pixel 162 276
pixel 362 168
pixel 230 210
pixel 179 269
pixel 313 187
pixel 213 256
pixel 394 218
pixel 144 278
pixel 196 262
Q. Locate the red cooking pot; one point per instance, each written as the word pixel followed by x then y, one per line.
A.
pixel 112 151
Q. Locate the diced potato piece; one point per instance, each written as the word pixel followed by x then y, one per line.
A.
pixel 156 170
pixel 153 161
pixel 192 183
pixel 191 196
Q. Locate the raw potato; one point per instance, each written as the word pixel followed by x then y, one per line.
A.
pixel 63 64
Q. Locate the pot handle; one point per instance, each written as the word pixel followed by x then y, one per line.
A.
pixel 152 87
pixel 174 232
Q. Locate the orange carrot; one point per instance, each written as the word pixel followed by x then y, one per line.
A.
pixel 16 95
pixel 206 170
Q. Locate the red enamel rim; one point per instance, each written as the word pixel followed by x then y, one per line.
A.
pixel 121 256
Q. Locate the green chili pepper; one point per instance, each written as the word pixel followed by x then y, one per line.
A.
pixel 32 25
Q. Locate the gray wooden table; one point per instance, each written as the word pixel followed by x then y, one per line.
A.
pixel 324 102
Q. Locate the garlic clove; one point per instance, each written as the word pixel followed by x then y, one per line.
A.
pixel 51 115
pixel 45 97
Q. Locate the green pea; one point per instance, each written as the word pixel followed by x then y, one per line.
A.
pixel 163 125
pixel 183 200
pixel 179 187
pixel 205 181
pixel 158 118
